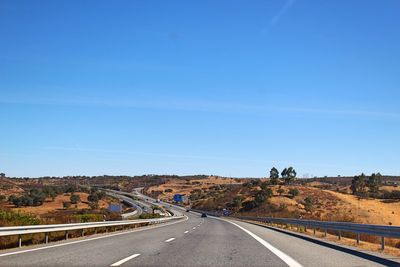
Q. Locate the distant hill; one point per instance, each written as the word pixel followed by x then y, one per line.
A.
pixel 346 180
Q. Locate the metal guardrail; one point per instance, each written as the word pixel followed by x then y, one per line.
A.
pixel 370 229
pixel 46 229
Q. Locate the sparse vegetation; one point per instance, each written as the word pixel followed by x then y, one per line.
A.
pixel 66 204
pixel 34 197
pixel 75 199
pixel 8 218
pixel 237 201
pixel 149 216
pixel 294 192
pixel 280 191
pixel 309 204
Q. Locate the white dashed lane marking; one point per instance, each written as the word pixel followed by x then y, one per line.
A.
pixel 118 263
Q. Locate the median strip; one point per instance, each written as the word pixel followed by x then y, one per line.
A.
pixel 118 263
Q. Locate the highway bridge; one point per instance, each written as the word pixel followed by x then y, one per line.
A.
pixel 194 241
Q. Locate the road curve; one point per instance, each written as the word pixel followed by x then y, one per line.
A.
pixel 195 241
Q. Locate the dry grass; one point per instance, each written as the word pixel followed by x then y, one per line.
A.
pixel 335 206
pixel 372 211
pixel 57 204
pixel 8 188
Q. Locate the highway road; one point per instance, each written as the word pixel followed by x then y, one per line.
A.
pixel 140 206
pixel 193 241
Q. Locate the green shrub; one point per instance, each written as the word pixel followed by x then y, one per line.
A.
pixel 8 218
pixel 249 205
pixel 66 205
pixel 294 192
pixel 88 217
pixel 149 216
pixel 75 199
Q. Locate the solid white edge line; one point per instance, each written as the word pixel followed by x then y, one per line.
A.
pixel 169 240
pixel 186 232
pixel 118 263
pixel 90 239
pixel 283 256
pixel 194 228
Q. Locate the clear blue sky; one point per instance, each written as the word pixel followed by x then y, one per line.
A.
pixel 199 87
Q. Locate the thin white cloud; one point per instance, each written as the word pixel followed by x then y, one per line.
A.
pixel 275 19
pixel 281 12
pixel 205 106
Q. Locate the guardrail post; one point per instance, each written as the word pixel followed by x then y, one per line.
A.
pixel 340 235
pixel 46 237
pixel 358 238
pixel 325 232
pixel 66 235
pixel 19 241
pixel 83 232
pixel 305 229
pixel 382 243
pixel 314 230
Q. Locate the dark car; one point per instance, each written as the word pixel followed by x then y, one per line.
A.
pixel 203 215
pixel 188 210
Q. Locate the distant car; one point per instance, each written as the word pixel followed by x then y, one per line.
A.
pixel 187 210
pixel 203 215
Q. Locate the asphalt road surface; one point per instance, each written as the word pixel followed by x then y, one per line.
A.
pixel 194 241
